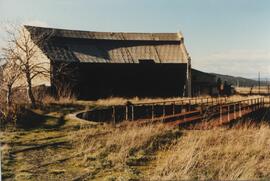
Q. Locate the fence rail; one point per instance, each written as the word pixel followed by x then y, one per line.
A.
pixel 218 110
pixel 196 100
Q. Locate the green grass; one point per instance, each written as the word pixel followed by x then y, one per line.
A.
pixel 41 137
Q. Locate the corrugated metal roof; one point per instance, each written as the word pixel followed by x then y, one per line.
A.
pixel 109 47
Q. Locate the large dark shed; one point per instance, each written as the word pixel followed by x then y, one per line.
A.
pixel 119 64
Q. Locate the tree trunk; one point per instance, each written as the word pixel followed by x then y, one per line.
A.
pixel 30 91
pixel 9 94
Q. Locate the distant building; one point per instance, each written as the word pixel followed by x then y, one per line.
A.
pixel 203 83
pixel 118 64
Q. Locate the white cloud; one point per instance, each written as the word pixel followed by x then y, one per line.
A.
pixel 245 63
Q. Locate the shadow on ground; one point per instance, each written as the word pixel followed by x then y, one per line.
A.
pixel 50 116
pixel 257 118
pixel 30 120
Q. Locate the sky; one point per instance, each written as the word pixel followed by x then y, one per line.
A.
pixel 223 36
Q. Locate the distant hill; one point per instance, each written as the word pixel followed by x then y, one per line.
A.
pixel 242 82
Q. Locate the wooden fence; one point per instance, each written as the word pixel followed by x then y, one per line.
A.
pixel 178 111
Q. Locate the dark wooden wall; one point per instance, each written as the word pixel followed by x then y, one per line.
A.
pixel 94 80
pixel 202 83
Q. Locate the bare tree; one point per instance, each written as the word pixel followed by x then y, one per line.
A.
pixel 24 48
pixel 10 75
pixel 62 72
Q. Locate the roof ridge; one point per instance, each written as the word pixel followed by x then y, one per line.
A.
pixel 88 31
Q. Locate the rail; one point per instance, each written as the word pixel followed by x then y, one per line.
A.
pixel 196 100
pixel 175 112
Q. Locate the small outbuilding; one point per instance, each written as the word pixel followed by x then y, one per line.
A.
pixel 203 83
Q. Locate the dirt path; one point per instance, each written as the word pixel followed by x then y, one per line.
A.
pixel 41 153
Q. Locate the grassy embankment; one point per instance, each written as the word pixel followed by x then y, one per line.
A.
pixel 58 148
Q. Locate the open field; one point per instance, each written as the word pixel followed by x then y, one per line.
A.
pixel 255 90
pixel 56 147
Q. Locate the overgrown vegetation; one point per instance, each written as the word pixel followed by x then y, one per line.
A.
pixel 50 146
pixel 222 154
pixel 120 150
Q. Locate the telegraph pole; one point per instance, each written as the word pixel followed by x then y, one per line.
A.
pixel 267 86
pixel 259 81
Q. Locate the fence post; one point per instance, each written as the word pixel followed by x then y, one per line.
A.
pixel 173 106
pixel 249 107
pixel 234 111
pixel 252 104
pixel 244 107
pixel 132 112
pixel 152 112
pixel 126 112
pixel 240 110
pixel 228 118
pixel 164 109
pixel 113 115
pixel 220 116
pixel 256 102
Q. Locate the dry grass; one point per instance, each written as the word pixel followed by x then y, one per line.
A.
pixel 118 144
pixel 255 90
pixel 236 98
pixel 156 152
pixel 121 101
pixel 223 154
pixel 112 101
pixel 131 151
pixel 47 99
